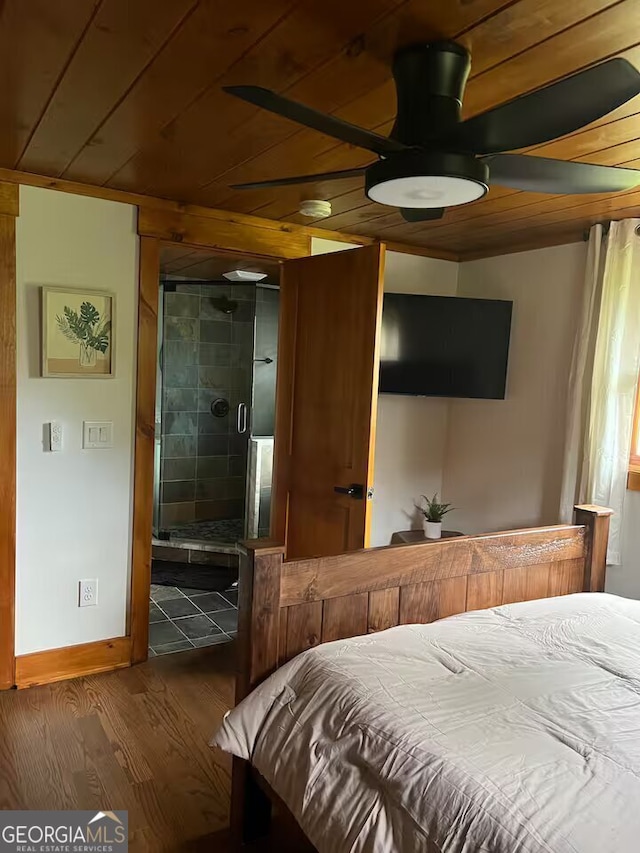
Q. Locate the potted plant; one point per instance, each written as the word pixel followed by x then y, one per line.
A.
pixel 433 512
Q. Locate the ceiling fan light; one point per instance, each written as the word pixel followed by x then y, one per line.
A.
pixel 427 180
pixel 427 191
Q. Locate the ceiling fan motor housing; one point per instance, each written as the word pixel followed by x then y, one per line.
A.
pixel 427 179
pixel 430 80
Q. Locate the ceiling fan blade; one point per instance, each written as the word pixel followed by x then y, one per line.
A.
pixel 553 111
pixel 541 175
pixel 327 124
pixel 421 214
pixel 301 179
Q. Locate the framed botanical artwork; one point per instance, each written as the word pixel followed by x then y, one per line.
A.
pixel 77 333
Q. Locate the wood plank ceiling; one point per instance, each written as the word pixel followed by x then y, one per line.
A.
pixel 127 94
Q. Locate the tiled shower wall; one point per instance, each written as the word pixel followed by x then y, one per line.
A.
pixel 206 354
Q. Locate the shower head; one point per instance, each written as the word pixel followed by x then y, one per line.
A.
pixel 224 304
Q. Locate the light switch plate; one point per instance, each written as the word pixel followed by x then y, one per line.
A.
pixel 97 435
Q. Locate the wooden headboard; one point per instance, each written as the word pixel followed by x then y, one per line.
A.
pixel 287 607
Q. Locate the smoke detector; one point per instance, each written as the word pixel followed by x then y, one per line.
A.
pixel 315 208
pixel 244 275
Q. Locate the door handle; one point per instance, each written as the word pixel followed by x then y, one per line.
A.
pixel 355 491
pixel 241 418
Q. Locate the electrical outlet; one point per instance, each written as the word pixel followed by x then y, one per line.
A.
pixel 88 593
pixel 55 436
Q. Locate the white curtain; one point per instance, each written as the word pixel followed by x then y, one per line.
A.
pixel 604 377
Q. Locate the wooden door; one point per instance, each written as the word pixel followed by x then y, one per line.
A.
pixel 330 318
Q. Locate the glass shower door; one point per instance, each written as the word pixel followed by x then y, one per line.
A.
pixel 265 362
pixel 157 444
pixel 215 411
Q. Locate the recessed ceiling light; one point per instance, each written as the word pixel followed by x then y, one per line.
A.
pixel 244 275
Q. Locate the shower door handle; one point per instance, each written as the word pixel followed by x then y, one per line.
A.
pixel 241 418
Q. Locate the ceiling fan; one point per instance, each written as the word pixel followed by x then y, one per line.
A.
pixel 432 160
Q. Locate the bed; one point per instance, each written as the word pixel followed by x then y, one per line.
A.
pixel 512 727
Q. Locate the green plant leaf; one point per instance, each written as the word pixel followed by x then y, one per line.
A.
pixel 99 340
pixel 85 328
pixel 63 325
pixel 89 314
pixel 434 510
pixel 72 326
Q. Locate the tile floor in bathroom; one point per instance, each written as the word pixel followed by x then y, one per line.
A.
pixel 181 619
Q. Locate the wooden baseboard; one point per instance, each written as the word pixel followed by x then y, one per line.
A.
pixel 72 661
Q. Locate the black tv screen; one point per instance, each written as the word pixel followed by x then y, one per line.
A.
pixel 444 346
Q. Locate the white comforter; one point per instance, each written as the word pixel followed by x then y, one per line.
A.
pixel 506 730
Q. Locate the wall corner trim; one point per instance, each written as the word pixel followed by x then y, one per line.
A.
pixel 72 661
pixel 8 202
pixel 9 199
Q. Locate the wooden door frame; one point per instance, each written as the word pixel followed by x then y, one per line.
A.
pixel 143 469
pixel 9 209
pixel 157 228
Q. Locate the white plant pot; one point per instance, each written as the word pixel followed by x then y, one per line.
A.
pixel 432 529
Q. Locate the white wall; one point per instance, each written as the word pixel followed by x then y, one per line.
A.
pixel 73 507
pixel 320 246
pixel 503 460
pixel 625 579
pixel 411 431
pixel 499 462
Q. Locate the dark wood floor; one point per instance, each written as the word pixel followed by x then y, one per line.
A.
pixel 135 739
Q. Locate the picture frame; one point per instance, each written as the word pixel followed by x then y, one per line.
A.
pixel 77 333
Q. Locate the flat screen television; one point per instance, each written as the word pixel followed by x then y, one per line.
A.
pixel 444 346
